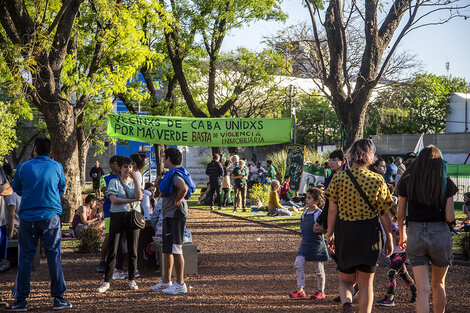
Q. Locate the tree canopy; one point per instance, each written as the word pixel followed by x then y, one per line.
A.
pixel 419 105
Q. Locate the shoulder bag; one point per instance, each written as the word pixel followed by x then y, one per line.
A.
pixel 137 218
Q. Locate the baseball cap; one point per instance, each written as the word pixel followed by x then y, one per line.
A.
pixel 409 155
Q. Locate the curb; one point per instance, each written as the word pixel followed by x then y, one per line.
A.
pixel 268 224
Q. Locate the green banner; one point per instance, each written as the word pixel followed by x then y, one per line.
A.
pixel 209 132
pixel 295 165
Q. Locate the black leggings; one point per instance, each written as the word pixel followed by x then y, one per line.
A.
pixel 120 224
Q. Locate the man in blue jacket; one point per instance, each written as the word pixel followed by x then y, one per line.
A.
pixel 40 182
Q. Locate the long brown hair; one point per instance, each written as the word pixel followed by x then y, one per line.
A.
pixel 425 178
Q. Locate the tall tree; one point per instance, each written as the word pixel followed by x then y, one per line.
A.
pixel 211 20
pixel 349 81
pixel 419 105
pixel 70 62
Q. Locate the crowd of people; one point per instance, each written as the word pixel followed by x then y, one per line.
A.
pixel 370 210
pixel 128 202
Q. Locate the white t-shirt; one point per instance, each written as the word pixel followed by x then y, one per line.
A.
pixel 254 172
pixel 13 199
pixel 146 203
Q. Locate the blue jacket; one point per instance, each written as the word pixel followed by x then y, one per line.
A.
pixel 40 182
pixel 166 185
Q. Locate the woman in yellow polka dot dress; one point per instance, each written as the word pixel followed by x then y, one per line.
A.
pixel 354 232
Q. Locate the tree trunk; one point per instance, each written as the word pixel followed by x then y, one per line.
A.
pixel 83 147
pixel 159 156
pixel 352 117
pixel 60 120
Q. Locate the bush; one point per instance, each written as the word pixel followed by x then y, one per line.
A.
pixel 311 155
pixel 260 192
pixel 464 243
pixel 87 188
pixel 279 161
pixel 91 241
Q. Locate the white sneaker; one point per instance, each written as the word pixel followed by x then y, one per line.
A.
pixel 176 289
pixel 133 285
pixel 119 275
pixel 161 286
pixel 103 288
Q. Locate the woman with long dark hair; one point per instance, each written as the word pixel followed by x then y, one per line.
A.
pixel 428 193
pixel 358 199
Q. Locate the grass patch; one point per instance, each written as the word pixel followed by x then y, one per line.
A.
pixel 291 222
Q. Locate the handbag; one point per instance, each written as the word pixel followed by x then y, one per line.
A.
pixel 137 218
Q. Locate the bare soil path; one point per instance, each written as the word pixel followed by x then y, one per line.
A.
pixel 237 273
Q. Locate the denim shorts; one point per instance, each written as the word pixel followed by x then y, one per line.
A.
pixel 429 242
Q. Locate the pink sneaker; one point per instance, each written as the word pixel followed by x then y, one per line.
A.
pixel 318 296
pixel 297 294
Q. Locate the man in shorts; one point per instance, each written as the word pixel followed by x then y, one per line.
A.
pixel 175 187
pixel 104 181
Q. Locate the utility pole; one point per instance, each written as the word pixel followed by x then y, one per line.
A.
pixel 291 91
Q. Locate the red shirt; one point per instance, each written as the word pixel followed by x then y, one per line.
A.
pixel 284 188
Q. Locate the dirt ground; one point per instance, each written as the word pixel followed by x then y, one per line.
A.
pixel 237 273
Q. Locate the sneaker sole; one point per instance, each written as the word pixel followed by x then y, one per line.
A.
pixel 174 293
pixel 16 310
pixel 62 308
pixel 386 304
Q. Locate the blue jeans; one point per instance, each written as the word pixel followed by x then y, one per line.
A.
pixel 49 231
pixel 3 242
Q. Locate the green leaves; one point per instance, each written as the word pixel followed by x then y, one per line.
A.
pixel 417 106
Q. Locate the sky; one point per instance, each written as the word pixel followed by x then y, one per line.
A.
pixel 433 46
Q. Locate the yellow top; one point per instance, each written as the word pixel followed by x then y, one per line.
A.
pixel 274 201
pixel 351 206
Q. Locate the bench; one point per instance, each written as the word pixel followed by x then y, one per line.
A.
pixel 189 255
pixel 12 254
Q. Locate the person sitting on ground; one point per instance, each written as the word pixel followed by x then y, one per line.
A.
pixel 275 208
pixel 466 206
pixel 285 188
pixel 203 199
pixel 86 216
pixel 312 247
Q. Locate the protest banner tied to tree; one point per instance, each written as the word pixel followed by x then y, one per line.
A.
pixel 200 131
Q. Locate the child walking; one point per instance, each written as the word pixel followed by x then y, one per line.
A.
pixel 312 247
pixel 397 266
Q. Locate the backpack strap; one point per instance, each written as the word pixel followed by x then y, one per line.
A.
pixel 359 189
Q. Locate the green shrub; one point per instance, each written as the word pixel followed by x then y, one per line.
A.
pixel 311 155
pixel 87 188
pixel 91 241
pixel 260 192
pixel 464 244
pixel 279 161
